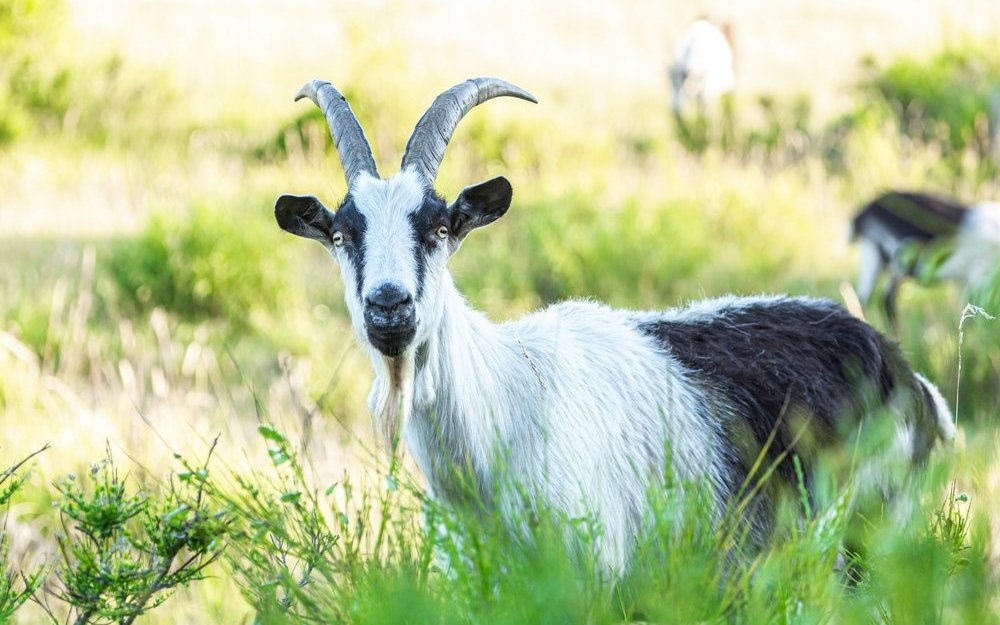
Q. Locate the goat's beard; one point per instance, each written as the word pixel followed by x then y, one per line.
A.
pixel 391 399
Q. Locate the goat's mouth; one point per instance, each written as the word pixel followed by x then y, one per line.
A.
pixel 391 326
pixel 391 340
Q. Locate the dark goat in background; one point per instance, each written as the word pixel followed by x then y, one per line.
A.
pixel 927 237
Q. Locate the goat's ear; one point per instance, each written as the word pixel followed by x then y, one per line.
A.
pixel 305 216
pixel 480 204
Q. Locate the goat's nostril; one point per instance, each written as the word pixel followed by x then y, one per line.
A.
pixel 389 298
pixel 404 304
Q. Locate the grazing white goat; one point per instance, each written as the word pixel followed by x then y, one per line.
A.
pixel 925 236
pixel 702 71
pixel 581 407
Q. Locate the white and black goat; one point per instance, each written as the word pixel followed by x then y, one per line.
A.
pixel 927 237
pixel 584 408
pixel 702 71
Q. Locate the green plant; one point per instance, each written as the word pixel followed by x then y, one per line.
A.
pixel 16 587
pixel 940 99
pixel 124 552
pixel 26 29
pixel 208 263
pixel 387 554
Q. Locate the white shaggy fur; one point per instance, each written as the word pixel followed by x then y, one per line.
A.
pixel 977 250
pixel 945 420
pixel 579 404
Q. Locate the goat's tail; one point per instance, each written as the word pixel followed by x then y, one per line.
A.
pixel 926 420
pixel 940 414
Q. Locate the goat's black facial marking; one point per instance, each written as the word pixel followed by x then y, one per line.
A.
pixel 425 221
pixel 781 361
pixel 353 225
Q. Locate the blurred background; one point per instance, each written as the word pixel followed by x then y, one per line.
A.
pixel 148 301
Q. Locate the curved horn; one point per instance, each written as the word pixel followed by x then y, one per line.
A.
pixel 430 137
pixel 352 146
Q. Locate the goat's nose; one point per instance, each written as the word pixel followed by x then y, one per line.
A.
pixel 388 298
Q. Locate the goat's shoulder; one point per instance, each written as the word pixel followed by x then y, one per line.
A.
pixel 575 316
pixel 581 326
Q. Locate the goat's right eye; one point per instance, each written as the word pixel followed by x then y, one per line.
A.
pixel 338 238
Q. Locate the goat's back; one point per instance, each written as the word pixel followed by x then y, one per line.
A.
pixel 778 365
pixel 904 215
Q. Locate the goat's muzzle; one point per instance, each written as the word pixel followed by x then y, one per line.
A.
pixel 390 319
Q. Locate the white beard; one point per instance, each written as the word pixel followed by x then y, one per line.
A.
pixel 391 397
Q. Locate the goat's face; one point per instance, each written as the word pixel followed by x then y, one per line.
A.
pixel 392 239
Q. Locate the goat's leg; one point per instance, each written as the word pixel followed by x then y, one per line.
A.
pixel 889 302
pixel 871 264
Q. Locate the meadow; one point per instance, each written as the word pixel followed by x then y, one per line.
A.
pixel 182 383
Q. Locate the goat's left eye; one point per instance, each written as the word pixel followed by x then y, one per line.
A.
pixel 442 232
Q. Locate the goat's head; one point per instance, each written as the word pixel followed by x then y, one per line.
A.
pixel 392 237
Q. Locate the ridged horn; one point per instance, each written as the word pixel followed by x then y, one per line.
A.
pixel 352 146
pixel 430 137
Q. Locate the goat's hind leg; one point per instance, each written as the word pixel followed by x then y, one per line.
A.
pixel 871 264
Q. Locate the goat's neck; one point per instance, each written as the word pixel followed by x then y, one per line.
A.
pixel 467 375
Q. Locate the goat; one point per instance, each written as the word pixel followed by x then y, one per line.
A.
pixel 581 406
pixel 927 237
pixel 702 71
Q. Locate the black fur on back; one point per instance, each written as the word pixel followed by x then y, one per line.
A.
pixel 911 216
pixel 782 362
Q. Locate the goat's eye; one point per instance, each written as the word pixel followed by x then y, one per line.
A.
pixel 442 232
pixel 338 238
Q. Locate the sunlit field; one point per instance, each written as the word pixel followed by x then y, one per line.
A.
pixel 190 380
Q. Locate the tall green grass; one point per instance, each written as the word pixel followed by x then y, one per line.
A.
pixel 306 550
pixel 359 555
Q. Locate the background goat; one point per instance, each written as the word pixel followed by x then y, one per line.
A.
pixel 581 407
pixel 702 71
pixel 924 236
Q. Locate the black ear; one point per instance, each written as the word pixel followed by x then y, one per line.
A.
pixel 304 216
pixel 480 204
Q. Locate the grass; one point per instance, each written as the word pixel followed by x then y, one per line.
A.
pixel 149 307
